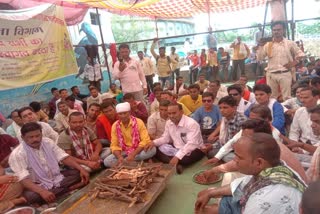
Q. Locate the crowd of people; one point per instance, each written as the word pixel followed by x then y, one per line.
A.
pixel 264 139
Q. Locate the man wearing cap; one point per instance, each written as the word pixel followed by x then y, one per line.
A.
pixel 129 137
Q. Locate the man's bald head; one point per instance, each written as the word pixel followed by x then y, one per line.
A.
pixel 256 153
pixel 264 146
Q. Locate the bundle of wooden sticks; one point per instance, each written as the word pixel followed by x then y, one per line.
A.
pixel 126 183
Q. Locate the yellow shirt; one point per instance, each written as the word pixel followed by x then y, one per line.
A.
pixel 127 135
pixel 185 110
pixel 163 65
pixel 191 104
pixel 203 85
pixel 213 59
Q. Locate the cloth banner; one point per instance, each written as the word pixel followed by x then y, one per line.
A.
pixel 35 46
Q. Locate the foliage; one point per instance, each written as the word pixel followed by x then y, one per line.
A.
pixel 127 29
pixel 308 29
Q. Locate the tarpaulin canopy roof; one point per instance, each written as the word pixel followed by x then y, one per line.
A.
pixel 75 9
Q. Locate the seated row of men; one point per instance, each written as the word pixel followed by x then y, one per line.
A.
pixel 179 139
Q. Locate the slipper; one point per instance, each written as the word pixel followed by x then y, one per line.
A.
pixel 220 176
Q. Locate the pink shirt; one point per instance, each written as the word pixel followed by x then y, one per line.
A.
pixel 132 77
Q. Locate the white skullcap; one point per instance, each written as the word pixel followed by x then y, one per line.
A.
pixel 107 96
pixel 123 107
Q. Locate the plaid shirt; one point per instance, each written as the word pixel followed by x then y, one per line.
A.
pixel 233 126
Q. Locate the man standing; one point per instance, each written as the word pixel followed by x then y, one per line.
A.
pixel 283 55
pixel 157 120
pixel 82 144
pixel 269 187
pixel 213 70
pixel 185 134
pixel 194 100
pixel 130 74
pixel 211 40
pixel 240 53
pixel 36 163
pixel 224 63
pixel 174 57
pixel 129 137
pixel 148 69
pixel 258 34
pixel 163 63
pixel 194 68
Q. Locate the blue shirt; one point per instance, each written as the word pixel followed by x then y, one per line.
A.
pixel 207 120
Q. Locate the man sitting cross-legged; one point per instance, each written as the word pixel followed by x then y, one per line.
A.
pixel 157 121
pixel 269 187
pixel 185 134
pixel 36 163
pixel 82 144
pixel 129 137
pixel 260 121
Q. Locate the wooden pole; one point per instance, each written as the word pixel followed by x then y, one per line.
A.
pixel 286 17
pixel 293 24
pixel 103 48
pixel 265 18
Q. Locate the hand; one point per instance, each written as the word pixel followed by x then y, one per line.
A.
pixel 130 157
pixel 291 112
pixel 122 66
pixel 84 176
pixel 202 200
pixel 293 144
pixel 155 40
pixel 168 72
pixel 145 90
pixel 290 65
pixel 148 146
pixel 4 179
pixel 120 161
pixel 212 161
pixel 174 161
pixel 48 196
pixel 95 157
pixel 213 138
pixel 93 164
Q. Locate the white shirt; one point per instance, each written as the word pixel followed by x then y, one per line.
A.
pixel 78 102
pixel 47 131
pixel 156 125
pixel 93 73
pixel 186 136
pixel 228 147
pixel 19 163
pixel 63 120
pixel 154 107
pixel 271 199
pixel 243 106
pixel 301 128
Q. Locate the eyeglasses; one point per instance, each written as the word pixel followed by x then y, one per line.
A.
pixel 233 95
pixel 206 101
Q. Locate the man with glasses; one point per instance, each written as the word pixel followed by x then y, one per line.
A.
pixel 236 92
pixel 208 116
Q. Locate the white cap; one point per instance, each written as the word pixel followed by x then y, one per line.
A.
pixel 107 96
pixel 123 107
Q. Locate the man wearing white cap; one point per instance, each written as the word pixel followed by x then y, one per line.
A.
pixel 129 137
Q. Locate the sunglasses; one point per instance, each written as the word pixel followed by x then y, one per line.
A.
pixel 233 95
pixel 206 101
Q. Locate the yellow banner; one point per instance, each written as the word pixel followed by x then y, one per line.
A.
pixel 35 46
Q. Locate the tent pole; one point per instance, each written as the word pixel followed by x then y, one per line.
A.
pixel 157 30
pixel 209 15
pixel 293 24
pixel 286 17
pixel 265 18
pixel 103 47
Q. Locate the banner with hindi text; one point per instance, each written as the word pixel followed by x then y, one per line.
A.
pixel 35 46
